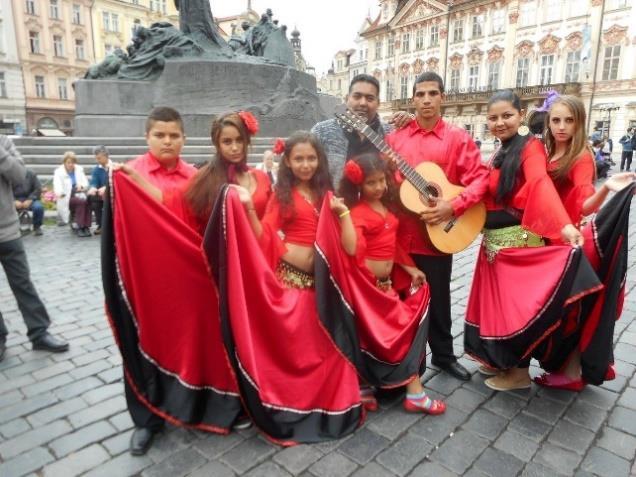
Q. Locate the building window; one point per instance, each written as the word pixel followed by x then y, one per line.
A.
pixel 547 66
pixel 114 22
pixel 3 85
pixel 389 90
pixel 54 10
pixel 454 80
pixel 77 14
pixel 477 23
pixel 404 87
pixel 108 49
pixel 1 36
pixel 419 39
pixel 106 21
pixel 572 66
pixel 458 30
pixel 528 14
pixel 378 49
pixel 493 75
pixel 434 35
pixel 406 42
pixel 615 4
pixel 390 49
pixel 499 21
pixel 158 6
pixel 553 10
pixel 58 46
pixel 339 65
pixel 39 87
pixel 34 41
pixel 79 49
pixel 473 77
pixel 30 7
pixel 610 63
pixel 523 68
pixel 62 90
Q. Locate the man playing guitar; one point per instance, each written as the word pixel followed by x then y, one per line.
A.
pixel 429 138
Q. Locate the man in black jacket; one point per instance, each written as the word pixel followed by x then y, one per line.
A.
pixel 27 197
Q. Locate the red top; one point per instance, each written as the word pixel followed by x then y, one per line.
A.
pixel 454 151
pixel 577 186
pixel 534 195
pixel 165 179
pixel 262 193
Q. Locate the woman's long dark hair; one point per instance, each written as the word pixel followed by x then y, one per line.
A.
pixel 205 185
pixel 508 157
pixel 370 163
pixel 320 183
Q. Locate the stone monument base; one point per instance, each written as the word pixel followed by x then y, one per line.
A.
pixel 282 98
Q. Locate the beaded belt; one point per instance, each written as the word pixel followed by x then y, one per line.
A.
pixel 509 237
pixel 293 277
pixel 384 284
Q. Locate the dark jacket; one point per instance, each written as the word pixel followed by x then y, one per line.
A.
pixel 29 188
pixel 99 177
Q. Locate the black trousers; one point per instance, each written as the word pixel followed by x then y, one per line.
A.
pixel 626 160
pixel 140 414
pixel 14 261
pixel 438 275
pixel 97 205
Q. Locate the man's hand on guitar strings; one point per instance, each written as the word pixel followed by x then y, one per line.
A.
pixel 441 211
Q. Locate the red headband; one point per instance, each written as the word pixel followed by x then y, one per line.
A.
pixel 250 121
pixel 353 172
pixel 279 146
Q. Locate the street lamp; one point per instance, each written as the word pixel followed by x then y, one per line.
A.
pixel 609 110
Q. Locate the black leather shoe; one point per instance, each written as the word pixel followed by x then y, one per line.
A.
pixel 49 343
pixel 3 348
pixel 455 369
pixel 141 440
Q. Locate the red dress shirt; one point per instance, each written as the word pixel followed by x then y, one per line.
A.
pixel 454 151
pixel 577 186
pixel 165 179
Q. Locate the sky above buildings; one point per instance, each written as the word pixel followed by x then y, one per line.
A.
pixel 326 26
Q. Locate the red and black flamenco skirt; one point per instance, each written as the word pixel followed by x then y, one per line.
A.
pixel 590 324
pixel 295 384
pixel 382 335
pixel 518 300
pixel 195 353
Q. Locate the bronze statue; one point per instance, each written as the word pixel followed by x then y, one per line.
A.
pixel 196 21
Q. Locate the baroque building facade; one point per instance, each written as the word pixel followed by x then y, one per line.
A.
pixel 12 99
pixel 581 47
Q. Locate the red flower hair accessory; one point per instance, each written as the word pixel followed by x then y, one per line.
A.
pixel 250 121
pixel 353 172
pixel 279 146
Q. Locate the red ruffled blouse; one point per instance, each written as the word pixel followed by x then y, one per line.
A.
pixel 577 186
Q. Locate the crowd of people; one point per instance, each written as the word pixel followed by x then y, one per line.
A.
pixel 287 295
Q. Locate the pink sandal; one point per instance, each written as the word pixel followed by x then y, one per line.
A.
pixel 559 381
pixel 423 403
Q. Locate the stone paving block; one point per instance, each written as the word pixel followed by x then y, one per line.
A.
pixel 90 369
pixel 77 387
pixel 405 454
pixel 77 463
pixel 534 469
pixel 562 460
pixel 298 458
pixel 618 443
pixel 485 424
pixel 82 438
pixel 333 465
pixel 247 454
pixel 623 419
pixel 118 443
pixel 103 392
pixel 625 352
pixel 430 469
pixel 126 465
pixel 54 370
pixel 15 383
pixel 628 398
pixel 599 397
pixel 10 360
pixel 46 385
pixel 504 404
pixel 111 375
pixel 459 452
pixel 99 411
pixel 329 446
pixel 586 415
pixel 465 400
pixel 268 469
pixel 557 394
pixel 122 421
pixel 436 429
pixel 213 469
pixel 28 462
pixel 623 368
pixel 14 428
pixel 178 464
pixel 571 436
pixel 444 384
pixel 547 410
pixel 213 445
pixel 9 398
pixel 372 470
pixel 393 422
pixel 33 438
pixel 529 426
pixel 601 462
pixel 363 446
pixel 29 367
pixel 476 384
pixel 87 358
pixel 517 445
pixel 26 406
pixel 170 440
pixel 56 411
pixel 617 385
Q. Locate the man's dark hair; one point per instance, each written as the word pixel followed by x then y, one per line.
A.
pixel 429 76
pixel 164 114
pixel 100 150
pixel 365 78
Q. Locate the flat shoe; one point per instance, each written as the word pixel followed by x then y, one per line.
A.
pixel 559 381
pixel 487 370
pixel 437 407
pixel 492 385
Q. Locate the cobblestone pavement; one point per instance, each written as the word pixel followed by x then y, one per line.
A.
pixel 66 414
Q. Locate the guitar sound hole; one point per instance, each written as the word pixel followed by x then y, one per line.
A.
pixel 432 191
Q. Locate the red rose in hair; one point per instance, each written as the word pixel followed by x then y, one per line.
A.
pixel 353 172
pixel 250 121
pixel 279 146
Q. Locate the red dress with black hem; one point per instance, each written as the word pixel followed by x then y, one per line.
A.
pixel 577 186
pixel 505 321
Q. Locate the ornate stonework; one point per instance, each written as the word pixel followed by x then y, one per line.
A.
pixel 443 32
pixel 474 55
pixel 377 73
pixel 418 66
pixel 574 41
pixel 615 35
pixel 524 49
pixel 404 68
pixel 549 44
pixel 431 64
pixel 495 54
pixel 513 16
pixel 456 61
pixel 597 3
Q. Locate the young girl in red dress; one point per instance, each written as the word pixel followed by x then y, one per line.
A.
pixel 369 236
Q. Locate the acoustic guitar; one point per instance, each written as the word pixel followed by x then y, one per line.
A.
pixel 423 185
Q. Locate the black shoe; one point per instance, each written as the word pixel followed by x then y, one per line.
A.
pixel 454 369
pixel 84 232
pixel 49 343
pixel 37 231
pixel 141 440
pixel 3 348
